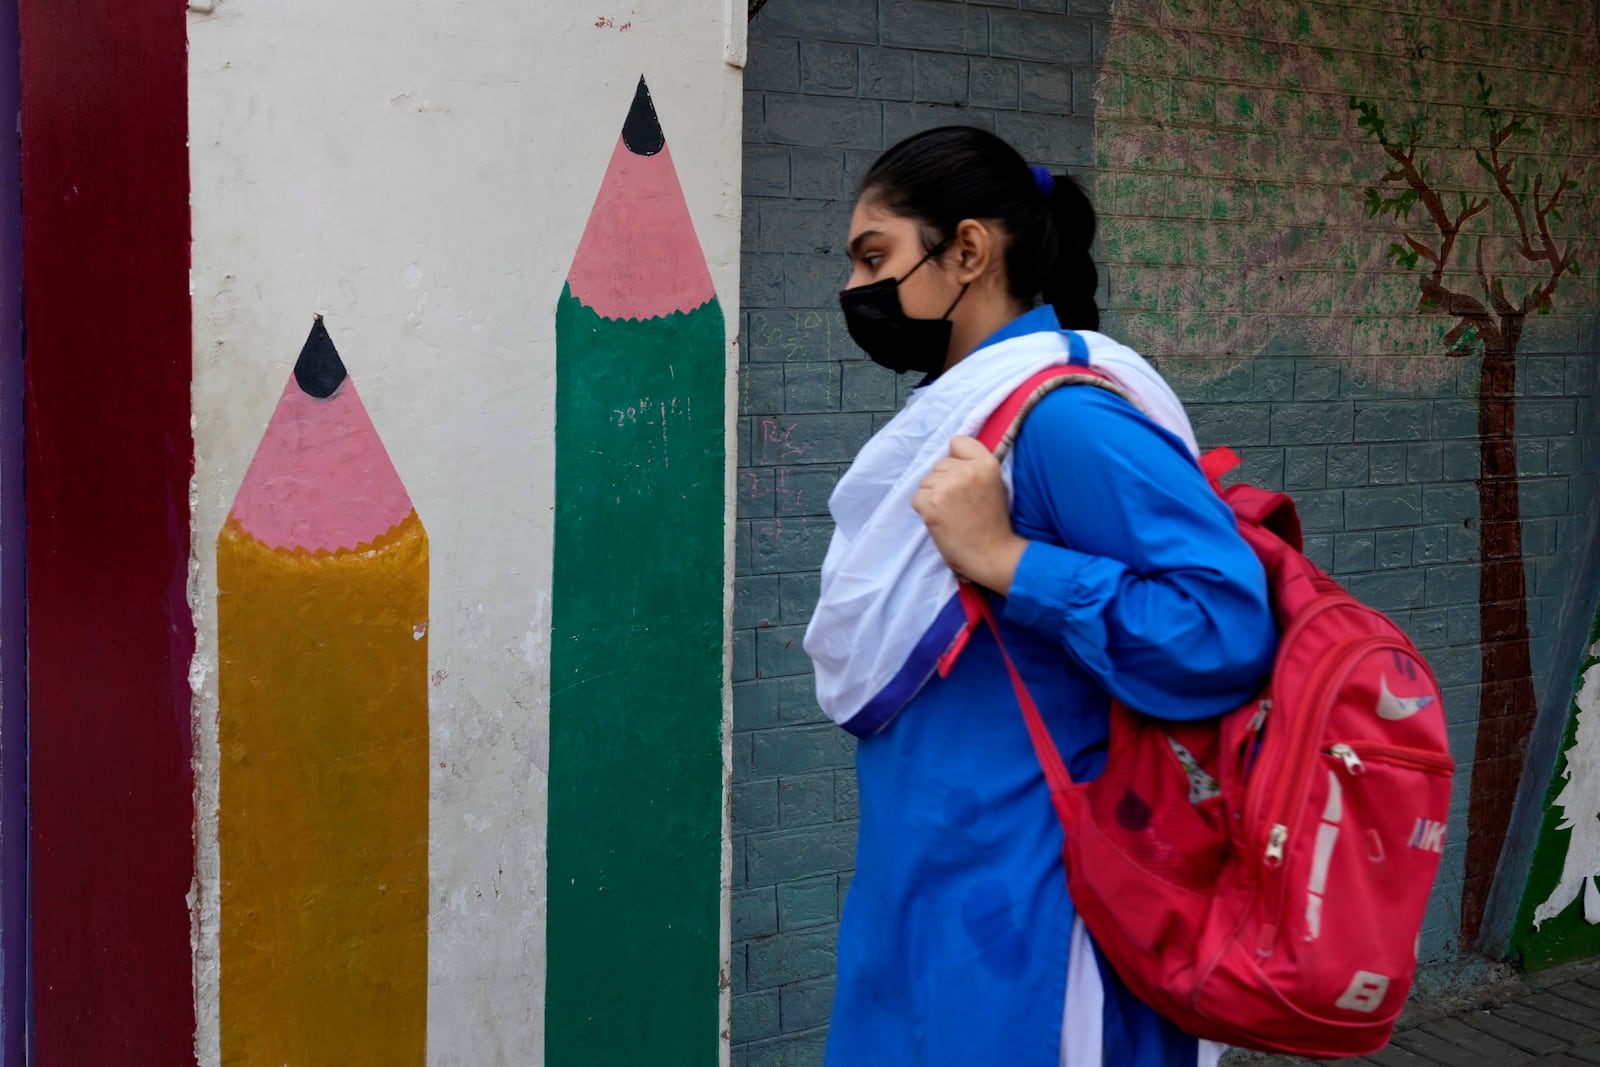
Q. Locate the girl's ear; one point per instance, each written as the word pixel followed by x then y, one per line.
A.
pixel 974 251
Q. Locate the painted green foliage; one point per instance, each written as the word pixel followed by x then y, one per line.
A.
pixel 1562 895
pixel 1232 174
pixel 636 700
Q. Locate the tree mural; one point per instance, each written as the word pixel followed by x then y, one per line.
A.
pixel 1490 312
pixel 1335 182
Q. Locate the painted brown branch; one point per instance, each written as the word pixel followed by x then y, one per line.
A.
pixel 1540 297
pixel 1491 287
pixel 1494 288
pixel 1547 249
pixel 1448 228
pixel 1457 332
pixel 1425 251
pixel 1559 259
pixel 1502 180
pixel 1469 309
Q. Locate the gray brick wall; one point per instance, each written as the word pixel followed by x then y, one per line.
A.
pixel 830 84
pixel 1383 475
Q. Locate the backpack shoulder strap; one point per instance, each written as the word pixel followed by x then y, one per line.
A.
pixel 999 432
pixel 1273 512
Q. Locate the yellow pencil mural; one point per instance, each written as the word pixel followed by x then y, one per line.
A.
pixel 322 576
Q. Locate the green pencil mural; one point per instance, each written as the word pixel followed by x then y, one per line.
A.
pixel 636 769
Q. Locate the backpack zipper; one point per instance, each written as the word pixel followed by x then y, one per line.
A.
pixel 1352 762
pixel 1292 778
pixel 1256 788
pixel 1350 753
pixel 1275 842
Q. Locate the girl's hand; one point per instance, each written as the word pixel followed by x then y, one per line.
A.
pixel 964 504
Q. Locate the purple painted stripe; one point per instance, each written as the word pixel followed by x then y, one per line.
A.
pixel 913 674
pixel 13 662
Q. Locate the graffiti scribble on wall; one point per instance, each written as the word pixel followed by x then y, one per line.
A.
pixel 636 666
pixel 1489 294
pixel 322 576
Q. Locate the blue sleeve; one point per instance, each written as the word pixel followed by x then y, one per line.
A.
pixel 1136 567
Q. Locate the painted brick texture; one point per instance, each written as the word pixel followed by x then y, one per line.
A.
pixel 1226 266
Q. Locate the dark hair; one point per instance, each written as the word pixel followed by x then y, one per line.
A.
pixel 942 176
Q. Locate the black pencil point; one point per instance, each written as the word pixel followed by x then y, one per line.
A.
pixel 642 132
pixel 319 370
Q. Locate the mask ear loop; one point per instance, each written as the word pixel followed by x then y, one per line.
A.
pixel 956 301
pixel 934 251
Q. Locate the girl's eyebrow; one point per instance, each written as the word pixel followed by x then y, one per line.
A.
pixel 862 238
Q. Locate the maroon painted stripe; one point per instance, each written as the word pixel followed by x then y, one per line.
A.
pixel 106 260
pixel 13 661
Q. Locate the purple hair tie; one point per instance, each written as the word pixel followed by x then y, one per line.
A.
pixel 1043 180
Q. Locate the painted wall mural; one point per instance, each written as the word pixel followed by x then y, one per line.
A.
pixel 1560 917
pixel 1489 294
pixel 551 382
pixel 322 623
pixel 1235 176
pixel 1399 189
pixel 636 662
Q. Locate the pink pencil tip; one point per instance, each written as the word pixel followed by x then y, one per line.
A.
pixel 639 257
pixel 321 478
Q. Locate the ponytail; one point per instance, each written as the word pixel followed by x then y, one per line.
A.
pixel 941 176
pixel 1071 283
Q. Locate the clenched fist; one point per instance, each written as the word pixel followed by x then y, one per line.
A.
pixel 964 504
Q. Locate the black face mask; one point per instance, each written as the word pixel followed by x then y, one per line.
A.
pixel 889 336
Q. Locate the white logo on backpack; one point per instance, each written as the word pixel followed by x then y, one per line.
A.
pixel 1392 708
pixel 1428 836
pixel 1327 836
pixel 1365 993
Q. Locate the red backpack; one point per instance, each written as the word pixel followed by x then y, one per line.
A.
pixel 1260 878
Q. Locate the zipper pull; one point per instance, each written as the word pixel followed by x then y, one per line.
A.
pixel 1352 762
pixel 1275 840
pixel 1259 719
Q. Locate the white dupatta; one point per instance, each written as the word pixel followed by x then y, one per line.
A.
pixel 888 607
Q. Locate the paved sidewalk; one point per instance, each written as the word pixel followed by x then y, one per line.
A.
pixel 1549 1019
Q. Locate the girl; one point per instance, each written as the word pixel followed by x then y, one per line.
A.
pixel 1122 576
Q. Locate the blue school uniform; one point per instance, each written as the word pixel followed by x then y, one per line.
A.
pixel 953 948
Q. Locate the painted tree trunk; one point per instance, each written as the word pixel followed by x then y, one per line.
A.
pixel 1507 705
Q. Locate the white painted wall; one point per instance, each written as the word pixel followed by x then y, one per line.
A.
pixel 420 174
